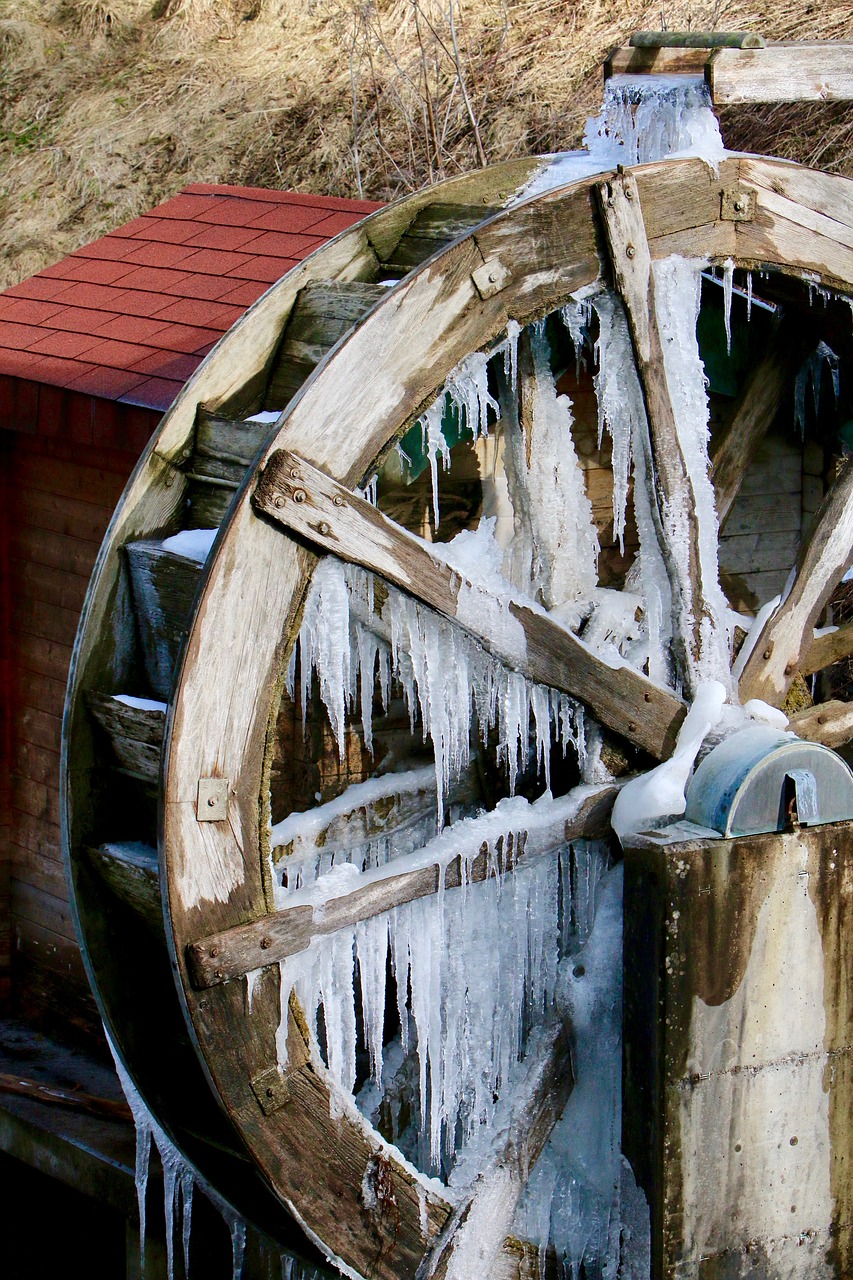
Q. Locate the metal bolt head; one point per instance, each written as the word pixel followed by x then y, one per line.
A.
pixel 740 205
pixel 278 501
pixel 294 473
pixel 266 943
pixel 630 251
pixel 211 802
pixel 299 495
pixel 214 951
pixel 629 193
pixel 324 528
pixel 219 973
pixel 766 654
pixel 338 500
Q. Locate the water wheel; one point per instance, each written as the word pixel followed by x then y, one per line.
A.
pixel 168 784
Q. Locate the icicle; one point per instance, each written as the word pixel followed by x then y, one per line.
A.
pixel 370 490
pixel 811 371
pixel 748 296
pixel 650 117
pixel 435 446
pixel 187 1188
pixel 576 316
pixel 728 281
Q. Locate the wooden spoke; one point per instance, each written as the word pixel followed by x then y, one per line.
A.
pixel 784 73
pixel 475 1232
pixel 670 483
pixel 758 403
pixel 830 723
pixel 306 501
pixel 823 650
pixel 235 952
pixel 824 558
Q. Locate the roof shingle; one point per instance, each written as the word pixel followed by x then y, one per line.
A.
pixel 130 316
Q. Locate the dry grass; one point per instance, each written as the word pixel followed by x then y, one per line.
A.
pixel 109 106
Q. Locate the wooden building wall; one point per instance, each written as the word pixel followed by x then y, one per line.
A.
pixel 63 474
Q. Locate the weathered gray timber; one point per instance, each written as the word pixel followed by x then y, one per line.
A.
pixel 236 952
pixel 164 585
pixel 306 501
pixel 132 873
pixel 136 733
pixel 738 1063
pixel 781 73
pixel 433 227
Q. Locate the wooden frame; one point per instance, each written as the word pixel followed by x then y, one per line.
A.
pixel 250 600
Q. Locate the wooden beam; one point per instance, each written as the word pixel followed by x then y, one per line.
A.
pixel 305 501
pixel 823 650
pixel 760 399
pixel 781 73
pixel 279 934
pixel 670 482
pixel 697 40
pixel 476 1232
pixel 830 723
pixel 106 1108
pixel 824 557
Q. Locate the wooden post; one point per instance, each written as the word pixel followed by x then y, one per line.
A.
pixel 670 483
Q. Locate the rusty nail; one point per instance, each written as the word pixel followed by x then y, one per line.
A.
pixel 278 501
pixel 214 951
pixel 299 495
pixel 338 500
pixel 324 527
pixel 630 252
pixel 219 973
pixel 266 943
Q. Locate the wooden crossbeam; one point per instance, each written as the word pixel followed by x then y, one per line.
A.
pixel 830 723
pixel 823 650
pixel 307 502
pixel 781 73
pixel 279 934
pixel 824 557
pixel 475 1232
pixel 670 483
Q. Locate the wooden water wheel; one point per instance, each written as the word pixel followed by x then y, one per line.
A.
pixel 352 347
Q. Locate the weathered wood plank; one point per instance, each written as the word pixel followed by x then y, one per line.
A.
pixel 234 952
pixel 44 547
pixel 136 733
pixel 670 483
pixel 321 316
pixel 304 500
pixel 164 586
pixel 823 650
pixel 433 227
pixel 56 1096
pixel 697 40
pixel 829 722
pixel 475 1234
pixel 824 557
pixel 659 61
pixel 132 872
pixel 781 73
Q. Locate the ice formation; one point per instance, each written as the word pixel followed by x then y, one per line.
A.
pixel 660 793
pixel 195 544
pixel 451 685
pixel 811 373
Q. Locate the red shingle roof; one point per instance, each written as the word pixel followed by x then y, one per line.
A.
pixel 130 316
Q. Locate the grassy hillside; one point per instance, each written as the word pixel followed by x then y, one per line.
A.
pixel 109 106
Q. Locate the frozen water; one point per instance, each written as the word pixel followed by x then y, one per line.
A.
pixel 651 117
pixel 195 544
pixel 811 373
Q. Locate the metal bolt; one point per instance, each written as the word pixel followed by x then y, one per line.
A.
pixel 629 193
pixel 647 697
pixel 766 654
pixel 278 501
pixel 170 480
pixel 338 500
pixel 630 252
pixel 219 973
pixel 740 205
pixel 299 495
pixel 492 277
pixel 211 802
pixel 324 528
pixel 631 727
pixel 266 943
pixel 214 951
pixel 294 473
pixel 270 1093
pixel 794 1141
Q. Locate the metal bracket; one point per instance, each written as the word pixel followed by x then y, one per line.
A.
pixel 491 278
pixel 737 204
pixel 212 803
pixel 271 1089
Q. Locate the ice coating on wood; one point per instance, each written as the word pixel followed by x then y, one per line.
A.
pixel 194 544
pixel 477 966
pixel 452 687
pixel 660 793
pixel 140 704
pixel 678 284
pixel 555 551
pixel 622 413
